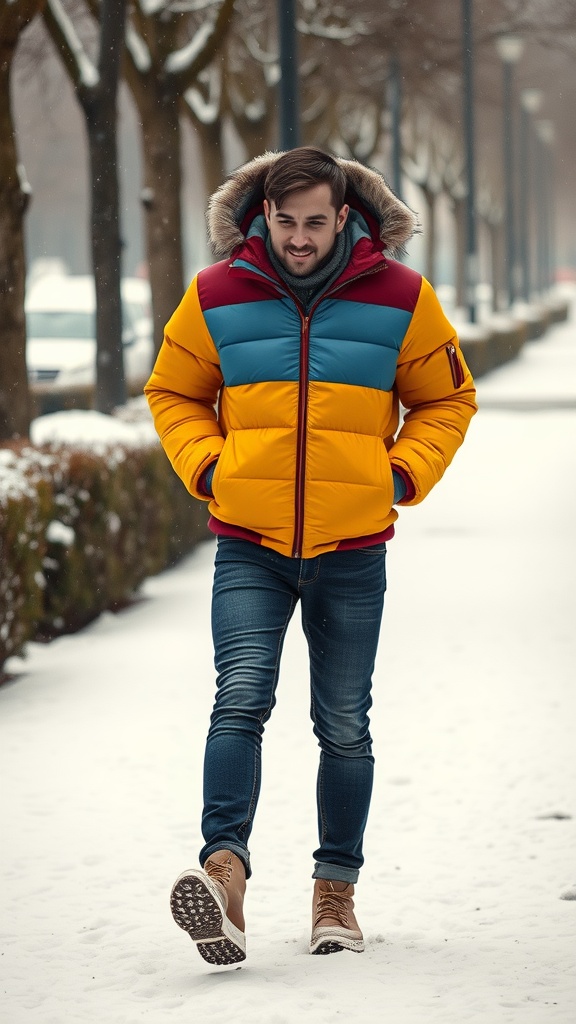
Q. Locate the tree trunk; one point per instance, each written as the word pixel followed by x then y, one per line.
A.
pixel 100 113
pixel 496 265
pixel 158 92
pixel 211 153
pixel 161 197
pixel 14 394
pixel 259 136
pixel 97 99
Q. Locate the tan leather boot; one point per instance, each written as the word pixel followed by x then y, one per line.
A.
pixel 208 904
pixel 334 926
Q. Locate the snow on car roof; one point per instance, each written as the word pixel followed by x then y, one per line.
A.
pixel 77 292
pixel 58 292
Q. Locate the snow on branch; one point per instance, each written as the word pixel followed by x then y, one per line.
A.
pixel 272 74
pixel 318 106
pixel 25 186
pixel 341 33
pixel 138 49
pixel 255 111
pixel 191 6
pixel 256 51
pixel 310 66
pixel 251 110
pixel 87 73
pixel 151 7
pixel 206 109
pixel 181 60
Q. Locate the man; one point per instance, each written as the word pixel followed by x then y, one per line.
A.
pixel 276 396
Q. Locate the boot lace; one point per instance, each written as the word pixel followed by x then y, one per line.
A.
pixel 335 905
pixel 219 872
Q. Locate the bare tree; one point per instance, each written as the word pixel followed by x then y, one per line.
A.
pixel 422 163
pixel 14 198
pixel 240 87
pixel 96 87
pixel 237 89
pixel 168 45
pixel 202 106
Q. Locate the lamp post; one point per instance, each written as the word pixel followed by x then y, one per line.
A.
pixel 510 50
pixel 289 104
pixel 530 103
pixel 468 99
pixel 546 205
pixel 395 102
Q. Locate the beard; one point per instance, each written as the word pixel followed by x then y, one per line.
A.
pixel 299 267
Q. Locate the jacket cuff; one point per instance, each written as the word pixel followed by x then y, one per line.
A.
pixel 205 480
pixel 410 489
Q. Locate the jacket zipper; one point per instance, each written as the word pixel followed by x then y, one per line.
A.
pixel 301 436
pixel 303 410
pixel 455 365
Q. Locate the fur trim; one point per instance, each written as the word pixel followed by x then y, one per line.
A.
pixel 244 189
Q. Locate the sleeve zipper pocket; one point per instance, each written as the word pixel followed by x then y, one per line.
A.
pixel 455 365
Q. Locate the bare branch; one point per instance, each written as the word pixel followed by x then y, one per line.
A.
pixel 342 33
pixel 186 64
pixel 205 106
pixel 256 51
pixel 192 6
pixel 137 49
pixel 77 63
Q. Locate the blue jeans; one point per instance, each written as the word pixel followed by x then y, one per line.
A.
pixel 254 595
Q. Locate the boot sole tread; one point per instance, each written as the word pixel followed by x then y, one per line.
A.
pixel 221 952
pixel 196 910
pixel 333 944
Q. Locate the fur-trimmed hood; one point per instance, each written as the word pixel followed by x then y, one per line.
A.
pixel 243 191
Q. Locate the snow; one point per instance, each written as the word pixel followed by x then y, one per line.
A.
pixel 17 471
pixel 87 73
pixel 59 533
pixel 181 60
pixel 467 895
pixel 151 8
pixel 89 429
pixel 13 482
pixel 109 436
pixel 206 109
pixel 344 33
pixel 25 186
pixel 138 49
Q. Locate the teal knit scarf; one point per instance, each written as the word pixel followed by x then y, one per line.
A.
pixel 310 286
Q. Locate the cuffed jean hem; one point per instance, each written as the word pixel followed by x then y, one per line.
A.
pixel 240 852
pixel 335 873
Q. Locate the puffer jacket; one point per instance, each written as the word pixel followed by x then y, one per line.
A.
pixel 300 411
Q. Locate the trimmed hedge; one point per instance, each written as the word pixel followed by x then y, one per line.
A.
pixel 80 530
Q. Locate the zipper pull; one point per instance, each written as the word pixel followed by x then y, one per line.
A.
pixel 455 365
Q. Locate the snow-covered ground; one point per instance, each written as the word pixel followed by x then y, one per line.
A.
pixel 468 895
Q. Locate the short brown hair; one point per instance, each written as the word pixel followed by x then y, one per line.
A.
pixel 303 168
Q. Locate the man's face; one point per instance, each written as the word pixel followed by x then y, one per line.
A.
pixel 304 230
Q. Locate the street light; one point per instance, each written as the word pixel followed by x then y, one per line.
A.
pixel 395 104
pixel 546 204
pixel 468 100
pixel 530 103
pixel 510 50
pixel 289 105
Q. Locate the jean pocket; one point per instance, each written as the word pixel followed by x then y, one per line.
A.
pixel 372 549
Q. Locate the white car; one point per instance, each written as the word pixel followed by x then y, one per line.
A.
pixel 61 335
